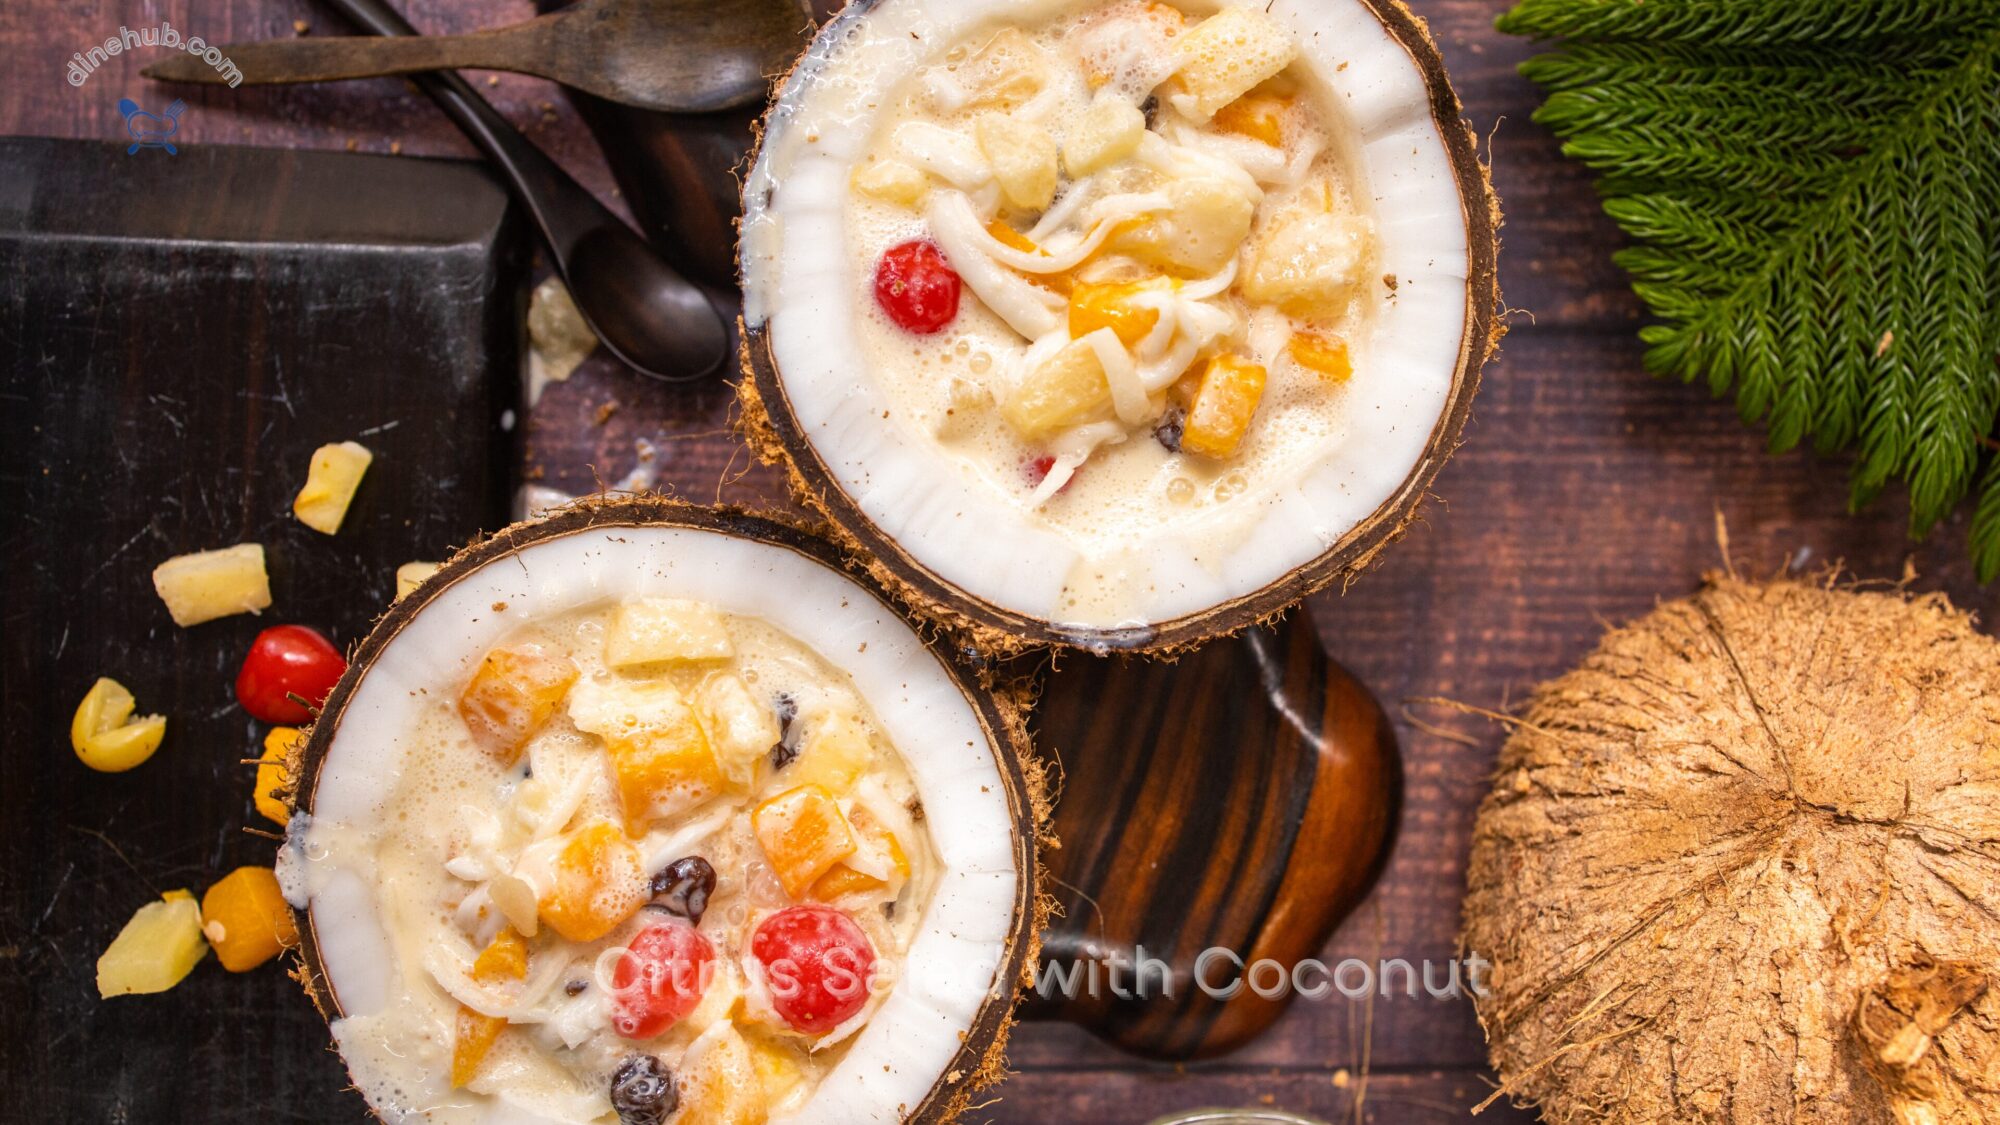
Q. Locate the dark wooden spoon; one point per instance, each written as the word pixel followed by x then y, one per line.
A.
pixel 681 56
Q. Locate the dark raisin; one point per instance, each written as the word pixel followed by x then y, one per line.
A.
pixel 1168 432
pixel 889 909
pixel 643 1092
pixel 683 886
pixel 787 748
pixel 1151 108
pixel 575 987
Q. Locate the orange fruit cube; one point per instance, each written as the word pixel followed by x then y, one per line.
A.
pixel 1257 116
pixel 513 694
pixel 803 834
pixel 1228 395
pixel 844 880
pixel 1324 354
pixel 473 1036
pixel 504 958
pixel 272 774
pixel 1094 305
pixel 599 881
pixel 246 919
pixel 664 765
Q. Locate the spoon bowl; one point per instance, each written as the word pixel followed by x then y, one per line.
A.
pixel 643 311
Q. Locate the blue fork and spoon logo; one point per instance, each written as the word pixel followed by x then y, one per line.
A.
pixel 151 130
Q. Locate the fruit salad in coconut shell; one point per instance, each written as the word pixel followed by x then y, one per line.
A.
pixel 1116 324
pixel 646 813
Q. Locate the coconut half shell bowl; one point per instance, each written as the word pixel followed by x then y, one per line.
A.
pixel 933 1038
pixel 1067 527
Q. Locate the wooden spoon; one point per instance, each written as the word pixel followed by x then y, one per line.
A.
pixel 684 56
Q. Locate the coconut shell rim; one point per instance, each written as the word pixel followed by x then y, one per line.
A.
pixel 772 430
pixel 980 1061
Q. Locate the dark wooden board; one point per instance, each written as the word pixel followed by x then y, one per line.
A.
pixel 1585 492
pixel 179 333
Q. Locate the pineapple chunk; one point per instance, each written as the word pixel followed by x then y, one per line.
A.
pixel 1307 262
pixel 156 950
pixel 1006 71
pixel 803 835
pixel 1067 390
pixel 720 1084
pixel 660 756
pixel 1260 117
pixel 411 575
pixel 837 750
pixel 886 854
pixel 1227 55
pixel 1095 305
pixel 1109 131
pixel 246 920
pixel 106 736
pixel 274 773
pixel 652 630
pixel 210 584
pixel 1023 156
pixel 1324 354
pixel 599 881
pixel 512 695
pixel 1198 234
pixel 892 181
pixel 330 483
pixel 1128 45
pixel 742 728
pixel 1222 407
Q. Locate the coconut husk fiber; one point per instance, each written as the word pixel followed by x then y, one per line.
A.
pixel 1743 865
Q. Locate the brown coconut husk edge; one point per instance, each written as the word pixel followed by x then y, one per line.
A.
pixel 1002 709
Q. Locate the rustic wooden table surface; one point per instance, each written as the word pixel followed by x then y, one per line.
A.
pixel 1585 492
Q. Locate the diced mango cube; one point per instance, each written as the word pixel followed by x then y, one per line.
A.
pixel 837 750
pixel 887 851
pixel 411 575
pixel 504 958
pixel 741 727
pixel 1223 405
pixel 1307 262
pixel 599 880
pixel 330 483
pixel 1023 156
pixel 661 758
pixel 1226 55
pixel 1095 305
pixel 246 920
pixel 719 1082
pixel 210 584
pixel 892 181
pixel 1260 117
pixel 1067 390
pixel 473 1036
pixel 1198 235
pixel 274 773
pixel 1013 239
pixel 106 736
pixel 652 630
pixel 1324 354
pixel 156 950
pixel 513 694
pixel 1109 131
pixel 777 1067
pixel 803 834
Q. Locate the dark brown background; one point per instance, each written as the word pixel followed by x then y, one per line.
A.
pixel 1585 492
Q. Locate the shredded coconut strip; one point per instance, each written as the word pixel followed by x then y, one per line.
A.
pixel 949 155
pixel 1027 308
pixel 452 974
pixel 1104 218
pixel 1128 397
pixel 1072 449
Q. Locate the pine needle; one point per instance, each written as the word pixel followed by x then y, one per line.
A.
pixel 1813 189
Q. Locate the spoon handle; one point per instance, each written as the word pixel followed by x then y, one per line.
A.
pixel 281 61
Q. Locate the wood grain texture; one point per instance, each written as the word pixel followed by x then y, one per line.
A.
pixel 1585 491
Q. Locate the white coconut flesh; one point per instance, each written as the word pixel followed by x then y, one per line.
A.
pixel 1093 556
pixel 395 1018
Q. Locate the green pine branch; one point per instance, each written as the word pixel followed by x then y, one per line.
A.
pixel 1813 192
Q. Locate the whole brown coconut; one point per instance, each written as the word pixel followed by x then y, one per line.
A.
pixel 1743 865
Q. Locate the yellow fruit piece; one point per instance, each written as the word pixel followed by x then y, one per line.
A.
pixel 504 958
pixel 599 881
pixel 1067 390
pixel 1307 262
pixel 652 630
pixel 803 834
pixel 473 1036
pixel 106 736
pixel 156 950
pixel 836 751
pixel 719 1082
pixel 1204 228
pixel 892 181
pixel 210 584
pixel 246 920
pixel 1007 70
pixel 1109 131
pixel 842 879
pixel 742 729
pixel 1111 305
pixel 1009 237
pixel 273 773
pixel 1223 405
pixel 1324 354
pixel 330 483
pixel 1114 36
pixel 513 694
pixel 1023 156
pixel 777 1067
pixel 1260 117
pixel 1226 56
pixel 665 765
pixel 411 575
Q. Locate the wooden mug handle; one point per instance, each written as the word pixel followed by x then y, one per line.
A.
pixel 1241 798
